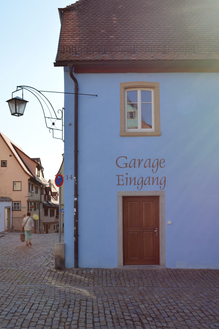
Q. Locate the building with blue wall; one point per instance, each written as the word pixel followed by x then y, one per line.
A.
pixel 147 179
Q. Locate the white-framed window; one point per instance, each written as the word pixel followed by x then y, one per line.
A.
pixel 139 109
pixel 16 186
pixel 16 205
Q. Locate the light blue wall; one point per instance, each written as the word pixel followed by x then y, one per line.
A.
pixel 189 141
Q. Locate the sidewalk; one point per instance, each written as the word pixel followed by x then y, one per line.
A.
pixel 34 295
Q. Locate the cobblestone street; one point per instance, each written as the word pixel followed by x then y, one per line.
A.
pixel 34 295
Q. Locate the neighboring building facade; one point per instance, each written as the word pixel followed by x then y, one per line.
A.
pixel 22 187
pixel 148 178
pixel 51 208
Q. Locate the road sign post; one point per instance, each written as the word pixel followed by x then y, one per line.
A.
pixel 59 180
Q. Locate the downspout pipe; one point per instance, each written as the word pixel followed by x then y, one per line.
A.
pixel 71 68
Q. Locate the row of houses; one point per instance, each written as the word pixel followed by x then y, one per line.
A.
pixel 23 189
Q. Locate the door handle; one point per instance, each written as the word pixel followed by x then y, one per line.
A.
pixel 155 231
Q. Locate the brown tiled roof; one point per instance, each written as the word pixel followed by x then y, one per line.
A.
pixel 124 30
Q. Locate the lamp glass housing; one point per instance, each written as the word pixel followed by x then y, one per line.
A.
pixel 17 106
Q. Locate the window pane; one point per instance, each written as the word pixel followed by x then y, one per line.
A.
pixel 132 116
pixel 132 110
pixel 146 96
pixel 132 96
pixel 146 116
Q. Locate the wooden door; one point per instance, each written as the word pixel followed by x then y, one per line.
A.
pixel 7 219
pixel 141 230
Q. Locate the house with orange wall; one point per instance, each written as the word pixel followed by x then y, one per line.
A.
pixel 21 181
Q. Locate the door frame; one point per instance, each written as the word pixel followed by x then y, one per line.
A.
pixel 161 195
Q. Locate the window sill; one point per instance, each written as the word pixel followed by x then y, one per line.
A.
pixel 140 133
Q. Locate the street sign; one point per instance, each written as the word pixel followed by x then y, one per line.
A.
pixel 62 210
pixel 59 180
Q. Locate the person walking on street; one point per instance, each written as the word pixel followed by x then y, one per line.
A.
pixel 28 227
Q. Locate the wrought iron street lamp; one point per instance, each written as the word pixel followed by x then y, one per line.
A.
pixel 53 122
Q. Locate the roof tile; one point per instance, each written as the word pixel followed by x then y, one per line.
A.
pixel 100 30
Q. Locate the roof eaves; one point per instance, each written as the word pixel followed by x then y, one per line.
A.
pixel 17 150
pixel 146 66
pixel 5 199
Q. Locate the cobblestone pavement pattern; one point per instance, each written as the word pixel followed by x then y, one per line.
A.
pixel 36 296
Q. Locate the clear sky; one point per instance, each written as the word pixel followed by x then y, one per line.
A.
pixel 29 40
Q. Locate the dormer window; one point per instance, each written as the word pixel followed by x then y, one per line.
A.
pixel 38 172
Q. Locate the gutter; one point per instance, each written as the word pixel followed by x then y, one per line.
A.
pixel 71 68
